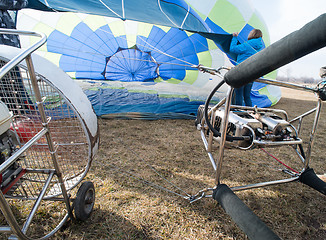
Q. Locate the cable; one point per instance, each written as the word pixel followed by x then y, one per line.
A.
pixel 216 133
pixel 279 161
pixel 148 45
pixel 153 169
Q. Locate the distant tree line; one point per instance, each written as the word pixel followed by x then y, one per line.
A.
pixel 307 80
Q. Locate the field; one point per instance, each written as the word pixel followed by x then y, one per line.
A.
pixel 128 208
pixel 137 159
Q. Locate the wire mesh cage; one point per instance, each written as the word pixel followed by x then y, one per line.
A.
pixel 48 138
pixel 72 146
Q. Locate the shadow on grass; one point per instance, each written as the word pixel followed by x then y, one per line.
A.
pixel 293 211
pixel 102 224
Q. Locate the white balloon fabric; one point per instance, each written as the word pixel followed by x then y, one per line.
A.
pixel 138 69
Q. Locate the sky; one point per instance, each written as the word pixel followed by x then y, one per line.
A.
pixel 285 16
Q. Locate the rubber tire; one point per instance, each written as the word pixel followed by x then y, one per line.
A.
pixel 85 200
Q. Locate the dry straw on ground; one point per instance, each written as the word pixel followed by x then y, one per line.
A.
pixel 127 208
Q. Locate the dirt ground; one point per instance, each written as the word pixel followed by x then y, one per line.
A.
pixel 145 171
pixel 297 94
pixel 133 202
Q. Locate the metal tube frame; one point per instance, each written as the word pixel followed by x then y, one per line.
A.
pixel 37 203
pixel 4 206
pixel 286 85
pixel 312 134
pixel 217 164
pixel 208 144
pixel 24 148
pixel 9 216
pixel 224 126
pixel 44 120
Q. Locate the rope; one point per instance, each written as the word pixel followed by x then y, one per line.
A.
pixel 184 20
pixel 109 8
pixel 123 10
pixel 159 51
pixel 148 45
pixel 279 161
pixel 159 4
pixel 134 176
pixel 155 171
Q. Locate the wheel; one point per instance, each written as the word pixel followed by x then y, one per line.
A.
pixel 85 200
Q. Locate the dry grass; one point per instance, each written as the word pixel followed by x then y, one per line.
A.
pixel 127 208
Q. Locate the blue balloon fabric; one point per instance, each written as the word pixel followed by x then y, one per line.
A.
pixel 149 66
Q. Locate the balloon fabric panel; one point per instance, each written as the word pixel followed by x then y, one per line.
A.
pixel 151 65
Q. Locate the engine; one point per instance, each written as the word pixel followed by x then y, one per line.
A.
pixel 8 146
pixel 252 128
